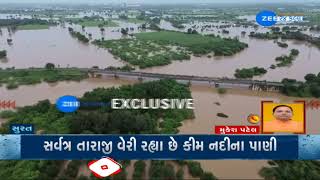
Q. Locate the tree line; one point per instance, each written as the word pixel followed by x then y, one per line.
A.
pixel 309 88
pixel 25 21
pixel 78 35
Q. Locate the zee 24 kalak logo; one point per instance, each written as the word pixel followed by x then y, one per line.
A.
pixel 7 104
pixel 269 18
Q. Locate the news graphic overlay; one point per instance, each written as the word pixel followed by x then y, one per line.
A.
pixel 253 119
pixel 269 18
pixel 21 129
pixel 146 146
pixel 283 118
pixel 266 18
pixel 7 104
pixel 67 104
pixel 104 167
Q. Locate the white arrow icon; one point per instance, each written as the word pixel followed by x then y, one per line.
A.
pixel 104 167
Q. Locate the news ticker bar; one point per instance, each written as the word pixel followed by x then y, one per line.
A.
pixel 57 147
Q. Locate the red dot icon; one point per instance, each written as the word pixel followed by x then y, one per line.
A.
pixel 103 167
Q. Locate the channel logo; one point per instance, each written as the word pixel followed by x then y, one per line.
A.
pixel 104 167
pixel 269 18
pixel 67 104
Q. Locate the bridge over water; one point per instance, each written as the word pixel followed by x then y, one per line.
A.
pixel 216 82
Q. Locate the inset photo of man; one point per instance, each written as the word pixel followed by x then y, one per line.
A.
pixel 283 118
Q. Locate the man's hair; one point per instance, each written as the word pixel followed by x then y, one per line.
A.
pixel 274 109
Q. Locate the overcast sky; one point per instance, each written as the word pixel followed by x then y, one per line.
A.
pixel 156 1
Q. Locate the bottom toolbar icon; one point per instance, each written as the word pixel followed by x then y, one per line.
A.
pixel 104 167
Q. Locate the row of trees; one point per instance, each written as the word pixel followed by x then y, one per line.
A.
pixel 310 88
pixel 78 35
pixel 249 72
pixel 284 169
pixel 25 21
pixel 13 78
pixel 295 35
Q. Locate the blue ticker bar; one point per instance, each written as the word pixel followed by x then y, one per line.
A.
pixel 57 147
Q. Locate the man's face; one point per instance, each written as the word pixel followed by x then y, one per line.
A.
pixel 283 113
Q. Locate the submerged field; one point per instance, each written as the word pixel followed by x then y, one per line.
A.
pixel 93 22
pixel 160 48
pixel 14 78
pixel 33 26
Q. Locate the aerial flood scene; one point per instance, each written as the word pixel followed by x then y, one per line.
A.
pixel 212 51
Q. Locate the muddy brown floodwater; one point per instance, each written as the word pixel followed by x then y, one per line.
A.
pixel 35 48
pixel 237 104
pixel 261 53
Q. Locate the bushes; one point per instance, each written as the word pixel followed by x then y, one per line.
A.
pixel 195 168
pixel 294 52
pixel 3 54
pixel 160 170
pixel 310 88
pixel 14 78
pixel 50 66
pixel 222 115
pixel 297 169
pixel 222 90
pixel 179 174
pixel 207 176
pixel 12 85
pixel 79 36
pixel 139 169
pixel 284 45
pixel 287 60
pixel 250 72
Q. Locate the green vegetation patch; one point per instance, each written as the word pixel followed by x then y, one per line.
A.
pixel 33 27
pixel 78 35
pixel 287 60
pixel 222 115
pixel 139 170
pixel 310 88
pixel 160 48
pixel 14 78
pixel 286 169
pixel 23 22
pixel 249 72
pixel 196 43
pixel 3 54
pixel 284 45
pixel 144 53
pixel 94 23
